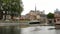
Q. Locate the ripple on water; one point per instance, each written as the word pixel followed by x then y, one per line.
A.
pixel 38 29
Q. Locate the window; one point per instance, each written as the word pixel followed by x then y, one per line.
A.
pixel 58 19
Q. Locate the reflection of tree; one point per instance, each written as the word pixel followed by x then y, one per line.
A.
pixel 9 30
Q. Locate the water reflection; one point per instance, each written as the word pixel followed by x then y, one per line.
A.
pixel 40 30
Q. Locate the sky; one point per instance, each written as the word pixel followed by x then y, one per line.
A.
pixel 47 5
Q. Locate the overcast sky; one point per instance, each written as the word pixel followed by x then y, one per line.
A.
pixel 47 5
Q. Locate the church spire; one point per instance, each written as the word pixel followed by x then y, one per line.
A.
pixel 35 8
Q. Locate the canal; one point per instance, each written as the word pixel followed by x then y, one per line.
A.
pixel 40 30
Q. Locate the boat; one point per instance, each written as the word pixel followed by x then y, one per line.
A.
pixel 34 22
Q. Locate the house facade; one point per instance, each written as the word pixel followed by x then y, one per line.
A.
pixel 57 16
pixel 37 15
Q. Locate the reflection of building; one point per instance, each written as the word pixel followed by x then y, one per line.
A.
pixel 57 16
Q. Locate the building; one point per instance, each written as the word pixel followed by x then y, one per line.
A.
pixel 22 17
pixel 57 16
pixel 36 15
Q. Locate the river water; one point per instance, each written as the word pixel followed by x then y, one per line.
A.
pixel 40 30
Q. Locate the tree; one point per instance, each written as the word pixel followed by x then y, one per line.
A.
pixel 12 7
pixel 50 15
pixel 1 13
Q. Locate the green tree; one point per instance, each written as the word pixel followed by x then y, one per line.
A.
pixel 50 15
pixel 1 13
pixel 12 7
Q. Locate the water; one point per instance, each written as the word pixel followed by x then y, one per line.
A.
pixel 39 30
